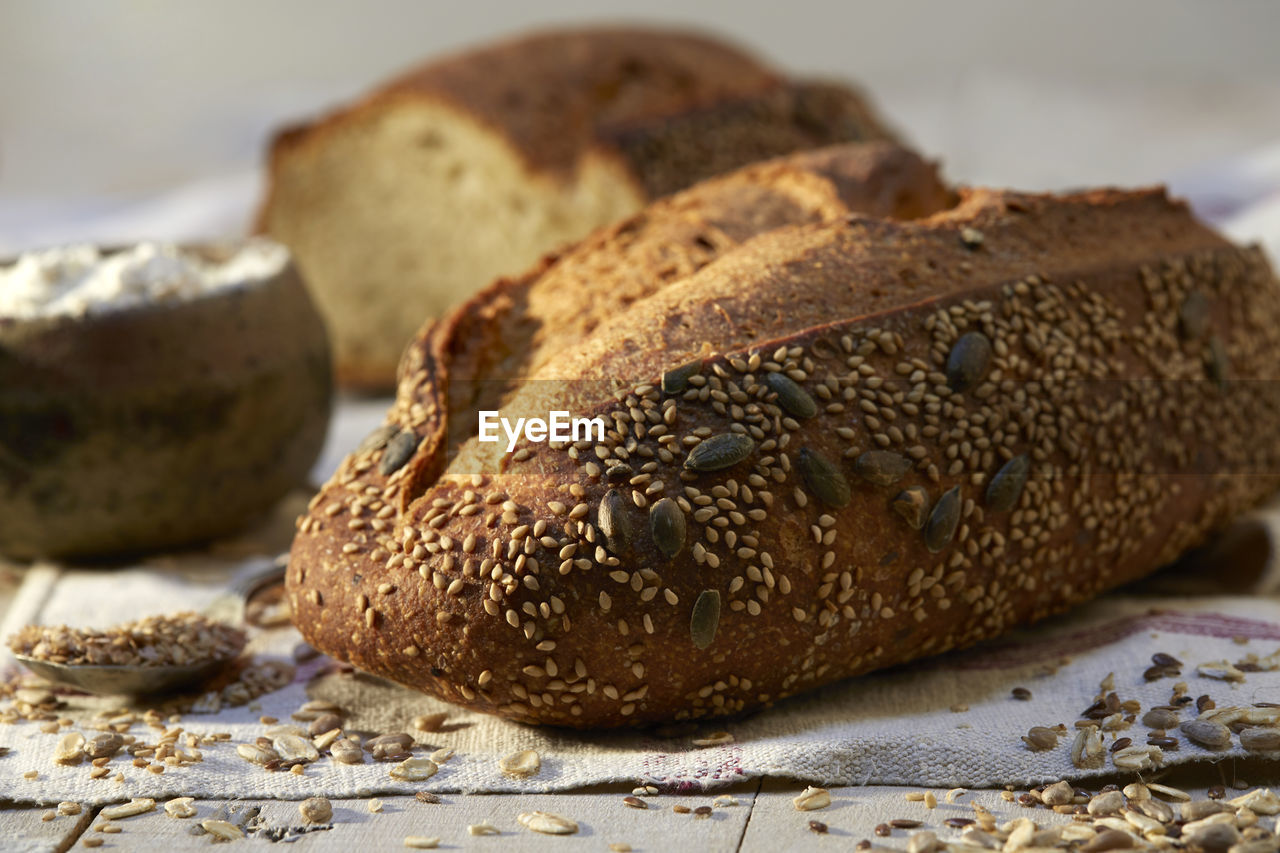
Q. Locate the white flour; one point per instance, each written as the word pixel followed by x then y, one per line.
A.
pixel 80 280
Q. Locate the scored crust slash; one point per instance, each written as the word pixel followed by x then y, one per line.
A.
pixel 855 438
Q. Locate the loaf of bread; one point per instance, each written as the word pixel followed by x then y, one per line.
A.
pixel 474 165
pixel 835 442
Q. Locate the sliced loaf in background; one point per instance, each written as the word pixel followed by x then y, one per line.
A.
pixel 474 165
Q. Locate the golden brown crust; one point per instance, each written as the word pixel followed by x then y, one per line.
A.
pixel 956 425
pixel 558 94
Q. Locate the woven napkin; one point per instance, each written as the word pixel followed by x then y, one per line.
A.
pixel 944 721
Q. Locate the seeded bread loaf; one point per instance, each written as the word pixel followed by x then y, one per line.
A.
pixel 474 165
pixel 840 444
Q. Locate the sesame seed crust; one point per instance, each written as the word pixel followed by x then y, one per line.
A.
pixel 972 434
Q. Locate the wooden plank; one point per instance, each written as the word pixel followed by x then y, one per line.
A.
pixel 24 828
pixel 602 818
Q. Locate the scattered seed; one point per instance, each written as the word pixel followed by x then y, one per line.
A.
pixel 414 770
pixel 1022 694
pixel 548 823
pixel 705 618
pixel 812 799
pixel 374 806
pixel 222 829
pixel 1258 739
pixel 635 802
pixel 791 397
pixel 702 811
pixel 823 478
pixel 294 748
pixel 1121 743
pixel 136 806
pixel 522 764
pixel 69 807
pixel 1040 738
pixel 421 842
pixel 316 810
pixel 484 828
pixel 1087 751
pixel 905 823
pixel 818 827
pixel 256 754
pixel 346 751
pixel 70 749
pixel 1057 794
pixel 427 797
pixel 1207 733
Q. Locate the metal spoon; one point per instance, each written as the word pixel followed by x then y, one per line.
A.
pixel 131 679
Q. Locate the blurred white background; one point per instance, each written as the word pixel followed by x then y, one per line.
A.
pixel 106 106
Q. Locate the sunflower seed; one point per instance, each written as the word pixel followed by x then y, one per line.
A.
pixel 180 807
pixel 676 380
pixel 414 770
pixel 719 452
pixel 1106 804
pixel 667 526
pixel 1260 739
pixel 812 799
pixel 912 503
pixel 421 842
pixel 1160 718
pixel 1261 801
pixel 1006 486
pixel 705 618
pixel 294 748
pixel 614 522
pixel 1207 733
pixel 324 723
pixel 522 764
pixel 1087 751
pixel 1057 794
pixel 316 810
pixel 1210 836
pixel 69 807
pixel 881 467
pixel 968 361
pixel 791 397
pixel 398 451
pixel 256 754
pixel 136 806
pixel 483 828
pixel 225 830
pixel 943 521
pixel 548 823
pixel 346 751
pixel 1040 738
pixel 1108 839
pixel 70 749
pixel 1201 809
pixel 103 745
pixel 823 478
